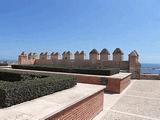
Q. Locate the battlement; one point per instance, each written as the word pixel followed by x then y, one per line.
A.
pixel 78 59
pixel 94 55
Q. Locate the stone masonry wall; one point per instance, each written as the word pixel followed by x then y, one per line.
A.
pixel 96 59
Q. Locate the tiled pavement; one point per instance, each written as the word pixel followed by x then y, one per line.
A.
pixel 140 101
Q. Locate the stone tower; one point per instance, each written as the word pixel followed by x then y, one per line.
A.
pixel 55 56
pixel 44 56
pixel 134 65
pixel 64 55
pixel 52 56
pixel 94 56
pixel 81 56
pixel 41 56
pixel 69 55
pixel 118 55
pixel 104 55
pixel 30 56
pixel 22 58
pixel 76 56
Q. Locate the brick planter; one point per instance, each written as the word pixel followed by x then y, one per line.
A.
pixel 115 83
pixel 82 102
pixel 118 85
pixel 83 110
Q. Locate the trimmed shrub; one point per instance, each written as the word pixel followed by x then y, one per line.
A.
pixel 92 71
pixel 14 76
pixel 12 93
pixel 3 64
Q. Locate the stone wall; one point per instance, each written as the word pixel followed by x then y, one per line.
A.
pixel 124 65
pixel 150 76
pixel 96 59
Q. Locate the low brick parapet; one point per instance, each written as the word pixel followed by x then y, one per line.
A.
pixel 120 75
pixel 82 102
pixel 114 83
pixel 150 76
pixel 118 82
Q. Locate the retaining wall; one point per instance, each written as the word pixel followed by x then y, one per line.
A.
pixel 150 76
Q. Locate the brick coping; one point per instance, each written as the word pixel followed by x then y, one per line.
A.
pixel 120 76
pixel 47 106
pixel 149 74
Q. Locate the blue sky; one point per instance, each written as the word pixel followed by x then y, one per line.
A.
pixel 58 25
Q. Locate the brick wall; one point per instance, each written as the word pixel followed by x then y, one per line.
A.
pixel 124 65
pixel 118 85
pixel 113 85
pixel 84 110
pixel 150 76
pixel 124 83
pixel 86 63
pixel 89 79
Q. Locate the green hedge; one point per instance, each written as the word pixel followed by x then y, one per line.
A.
pixel 3 64
pixel 92 71
pixel 12 93
pixel 14 76
pixel 96 71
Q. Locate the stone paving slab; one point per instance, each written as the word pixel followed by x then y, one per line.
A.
pixel 13 115
pixel 110 115
pixel 139 106
pixel 140 101
pixel 151 86
pixel 152 95
pixel 145 88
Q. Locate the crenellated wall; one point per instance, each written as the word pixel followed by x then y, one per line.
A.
pixel 96 59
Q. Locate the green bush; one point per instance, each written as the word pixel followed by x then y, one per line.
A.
pixel 14 76
pixel 16 92
pixel 3 64
pixel 92 71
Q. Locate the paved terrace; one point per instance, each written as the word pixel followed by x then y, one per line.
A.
pixel 140 101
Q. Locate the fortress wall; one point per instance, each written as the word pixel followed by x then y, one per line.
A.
pixel 32 61
pixel 69 63
pixel 42 62
pixel 96 59
pixel 124 65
